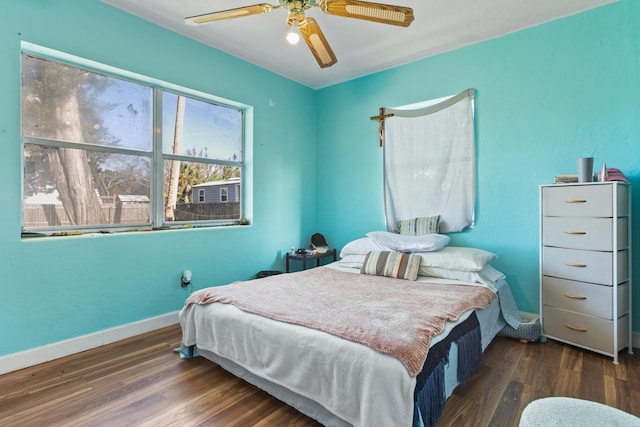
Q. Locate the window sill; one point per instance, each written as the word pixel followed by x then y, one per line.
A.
pixel 139 230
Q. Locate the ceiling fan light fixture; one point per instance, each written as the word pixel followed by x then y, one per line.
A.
pixel 293 35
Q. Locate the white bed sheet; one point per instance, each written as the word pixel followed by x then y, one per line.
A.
pixel 336 381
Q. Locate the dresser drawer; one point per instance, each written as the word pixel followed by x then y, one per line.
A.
pixel 586 298
pixel 584 266
pixel 584 330
pixel 583 200
pixel 594 234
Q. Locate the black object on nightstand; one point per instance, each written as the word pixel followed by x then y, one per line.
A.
pixel 304 257
pixel 266 273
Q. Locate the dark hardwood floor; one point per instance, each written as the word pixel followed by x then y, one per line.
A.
pixel 142 382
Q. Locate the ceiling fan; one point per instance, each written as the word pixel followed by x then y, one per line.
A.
pixel 308 27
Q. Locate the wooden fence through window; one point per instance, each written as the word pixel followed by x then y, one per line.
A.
pixel 54 215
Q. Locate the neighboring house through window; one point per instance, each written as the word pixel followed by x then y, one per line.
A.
pixel 225 191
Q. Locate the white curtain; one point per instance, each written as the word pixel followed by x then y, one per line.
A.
pixel 429 163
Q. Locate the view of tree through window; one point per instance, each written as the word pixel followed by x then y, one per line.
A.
pixel 90 151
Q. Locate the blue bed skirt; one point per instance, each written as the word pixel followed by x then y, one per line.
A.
pixel 430 393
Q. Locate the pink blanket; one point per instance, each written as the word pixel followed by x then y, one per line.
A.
pixel 393 316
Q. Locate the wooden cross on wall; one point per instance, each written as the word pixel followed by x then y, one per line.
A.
pixel 380 119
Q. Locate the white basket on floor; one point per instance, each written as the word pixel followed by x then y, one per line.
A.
pixel 528 330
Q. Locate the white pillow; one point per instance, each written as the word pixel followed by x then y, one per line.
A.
pixel 457 258
pixel 487 276
pixel 403 243
pixel 361 247
pixel 352 261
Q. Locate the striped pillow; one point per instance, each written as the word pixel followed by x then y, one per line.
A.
pixel 420 226
pixel 391 264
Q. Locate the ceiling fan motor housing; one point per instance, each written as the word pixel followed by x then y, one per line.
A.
pixel 296 11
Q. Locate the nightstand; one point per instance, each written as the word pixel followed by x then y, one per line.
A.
pixel 309 257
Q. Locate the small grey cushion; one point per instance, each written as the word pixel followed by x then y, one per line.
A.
pixel 391 264
pixel 420 226
pixel 569 412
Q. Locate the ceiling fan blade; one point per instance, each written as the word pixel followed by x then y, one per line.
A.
pixel 310 31
pixel 383 13
pixel 255 9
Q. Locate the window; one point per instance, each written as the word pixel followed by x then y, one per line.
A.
pixel 224 195
pixel 92 160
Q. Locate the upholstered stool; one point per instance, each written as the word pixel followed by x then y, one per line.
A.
pixel 569 412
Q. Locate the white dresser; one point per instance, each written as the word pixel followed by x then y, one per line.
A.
pixel 585 265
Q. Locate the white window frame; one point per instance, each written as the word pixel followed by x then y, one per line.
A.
pixel 201 195
pixel 157 155
pixel 224 194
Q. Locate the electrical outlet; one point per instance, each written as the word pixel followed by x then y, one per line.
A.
pixel 185 280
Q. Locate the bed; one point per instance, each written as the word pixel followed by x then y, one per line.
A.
pixel 345 380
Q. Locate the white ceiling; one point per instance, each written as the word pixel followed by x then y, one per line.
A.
pixel 362 47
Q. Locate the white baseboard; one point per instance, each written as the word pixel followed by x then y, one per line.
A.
pixel 46 353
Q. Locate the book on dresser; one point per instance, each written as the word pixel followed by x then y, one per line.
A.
pixel 585 265
pixel 565 178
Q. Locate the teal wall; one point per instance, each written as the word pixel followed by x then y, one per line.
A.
pixel 545 96
pixel 55 289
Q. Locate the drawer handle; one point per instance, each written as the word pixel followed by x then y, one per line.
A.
pixel 575 296
pixel 573 264
pixel 575 232
pixel 576 201
pixel 576 328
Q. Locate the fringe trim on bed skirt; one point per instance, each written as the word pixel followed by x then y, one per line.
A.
pixel 429 401
pixel 429 396
pixel 469 354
